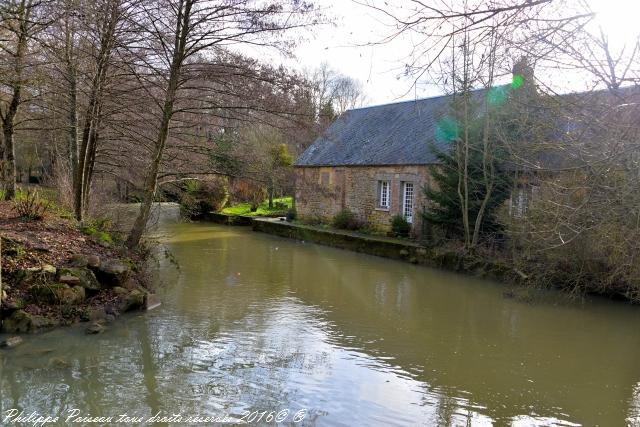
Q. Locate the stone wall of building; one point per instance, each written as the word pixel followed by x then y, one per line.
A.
pixel 322 192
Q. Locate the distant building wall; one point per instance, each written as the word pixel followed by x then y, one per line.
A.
pixel 322 192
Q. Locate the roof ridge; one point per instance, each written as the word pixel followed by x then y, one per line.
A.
pixel 416 100
pixel 399 102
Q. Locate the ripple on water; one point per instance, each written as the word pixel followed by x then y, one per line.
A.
pixel 354 340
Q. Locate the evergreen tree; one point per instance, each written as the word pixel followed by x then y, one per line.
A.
pixel 446 211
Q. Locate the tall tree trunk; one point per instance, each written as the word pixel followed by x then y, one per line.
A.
pixel 2 168
pixel 72 117
pixel 86 153
pixel 90 161
pixel 489 177
pixel 463 172
pixel 151 178
pixel 9 117
pixel 1 282
pixel 488 166
pixel 462 143
pixel 78 182
pixel 71 77
pixel 9 161
pixel 8 130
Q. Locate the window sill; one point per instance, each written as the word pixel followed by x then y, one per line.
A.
pixel 382 209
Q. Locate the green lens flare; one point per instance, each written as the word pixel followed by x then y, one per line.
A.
pixel 518 81
pixel 447 130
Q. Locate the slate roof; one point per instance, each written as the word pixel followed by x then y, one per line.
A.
pixel 397 134
pixel 391 134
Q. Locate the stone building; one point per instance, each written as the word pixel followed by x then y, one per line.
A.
pixel 374 162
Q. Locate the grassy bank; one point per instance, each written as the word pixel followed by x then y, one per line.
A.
pixel 280 208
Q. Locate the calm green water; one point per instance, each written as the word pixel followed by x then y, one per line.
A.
pixel 251 322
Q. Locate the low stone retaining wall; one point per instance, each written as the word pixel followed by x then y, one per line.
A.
pixel 220 218
pixel 388 248
pixel 397 249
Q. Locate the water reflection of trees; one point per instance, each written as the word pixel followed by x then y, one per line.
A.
pixel 274 334
pixel 463 337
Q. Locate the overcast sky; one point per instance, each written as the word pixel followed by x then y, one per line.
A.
pixel 347 46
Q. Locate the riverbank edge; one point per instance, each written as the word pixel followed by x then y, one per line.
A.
pixel 55 274
pixel 442 258
pixel 396 249
pixel 85 289
pixel 225 219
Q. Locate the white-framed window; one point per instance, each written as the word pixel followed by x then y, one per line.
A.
pixel 384 188
pixel 407 201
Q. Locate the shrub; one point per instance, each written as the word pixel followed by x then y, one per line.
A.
pixel 345 220
pixel 256 195
pixel 102 223
pixel 291 215
pixel 193 208
pixel 188 206
pixel 201 197
pixel 105 237
pixel 192 186
pixel 30 206
pixel 399 226
pixel 89 230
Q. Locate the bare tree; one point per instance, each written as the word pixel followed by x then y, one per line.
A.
pixel 109 23
pixel 177 31
pixel 347 94
pixel 18 26
pixel 333 88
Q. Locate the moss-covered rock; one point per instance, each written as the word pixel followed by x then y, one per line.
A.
pixel 86 277
pixel 93 262
pixel 23 322
pixel 81 261
pixel 95 328
pixel 59 293
pixel 13 304
pixel 49 270
pixel 34 276
pixel 113 273
pixel 48 293
pixel 10 342
pixel 78 260
pixel 18 322
pixel 133 301
pixel 120 291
